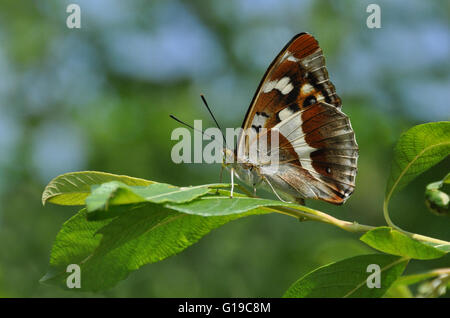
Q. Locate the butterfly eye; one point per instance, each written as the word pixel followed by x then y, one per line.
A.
pixel 309 101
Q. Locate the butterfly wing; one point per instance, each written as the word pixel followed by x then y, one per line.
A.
pixel 317 148
pixel 317 155
pixel 296 78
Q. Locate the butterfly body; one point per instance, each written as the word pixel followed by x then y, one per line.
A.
pixel 296 105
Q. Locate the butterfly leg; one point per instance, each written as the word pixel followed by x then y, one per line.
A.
pixel 220 177
pixel 255 185
pixel 221 173
pixel 232 182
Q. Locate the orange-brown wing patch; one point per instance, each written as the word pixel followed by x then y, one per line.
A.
pixel 297 78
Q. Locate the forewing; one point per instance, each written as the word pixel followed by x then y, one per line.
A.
pixel 296 79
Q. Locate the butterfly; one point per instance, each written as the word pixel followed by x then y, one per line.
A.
pixel 317 150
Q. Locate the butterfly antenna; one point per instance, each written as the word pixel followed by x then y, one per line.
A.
pixel 212 115
pixel 187 125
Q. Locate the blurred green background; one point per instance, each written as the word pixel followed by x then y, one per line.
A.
pixel 99 98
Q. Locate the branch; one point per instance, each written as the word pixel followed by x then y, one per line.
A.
pixel 305 213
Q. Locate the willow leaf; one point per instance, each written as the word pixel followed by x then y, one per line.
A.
pixel 107 251
pixel 417 150
pixel 73 188
pixel 224 205
pixel 390 241
pixel 348 278
pixel 118 193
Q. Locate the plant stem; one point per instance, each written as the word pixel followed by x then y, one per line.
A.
pixel 314 215
pixel 387 217
pixel 303 212
pixel 412 235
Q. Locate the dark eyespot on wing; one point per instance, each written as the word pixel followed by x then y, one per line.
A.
pixel 309 101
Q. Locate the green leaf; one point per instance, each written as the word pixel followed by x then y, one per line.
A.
pixel 417 278
pixel 160 193
pixel 224 205
pixel 118 193
pixel 442 247
pixel 74 243
pixel 398 291
pixel 108 250
pixel 417 150
pixel 388 240
pixel 73 188
pixel 191 200
pixel 348 278
pixel 111 193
